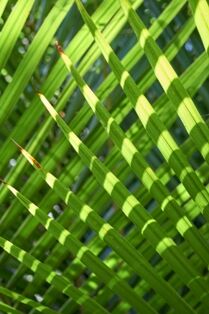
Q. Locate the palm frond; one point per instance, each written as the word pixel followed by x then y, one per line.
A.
pixel 112 217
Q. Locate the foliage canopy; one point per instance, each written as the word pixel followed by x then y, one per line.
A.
pixel 104 156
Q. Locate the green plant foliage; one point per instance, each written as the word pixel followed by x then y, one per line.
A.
pixel 104 156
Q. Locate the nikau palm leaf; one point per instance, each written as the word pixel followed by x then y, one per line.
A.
pixel 114 216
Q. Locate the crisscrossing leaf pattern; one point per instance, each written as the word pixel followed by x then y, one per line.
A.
pixel 104 152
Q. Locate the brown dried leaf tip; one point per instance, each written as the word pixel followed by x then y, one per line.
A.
pixel 59 47
pixel 35 162
pixel 27 155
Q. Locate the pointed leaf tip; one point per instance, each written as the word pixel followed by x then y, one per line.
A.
pixel 28 156
pixel 20 147
pixel 34 161
pixel 59 47
pixel 41 97
pixel 39 94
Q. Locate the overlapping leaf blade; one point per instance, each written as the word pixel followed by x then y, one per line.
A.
pixel 124 159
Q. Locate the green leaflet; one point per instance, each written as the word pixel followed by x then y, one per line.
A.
pixel 8 309
pixel 104 230
pixel 139 165
pixel 153 125
pixel 170 82
pixel 16 296
pixel 128 203
pixel 83 253
pixel 12 28
pixel 34 53
pixel 60 282
pixel 200 12
pixel 2 7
